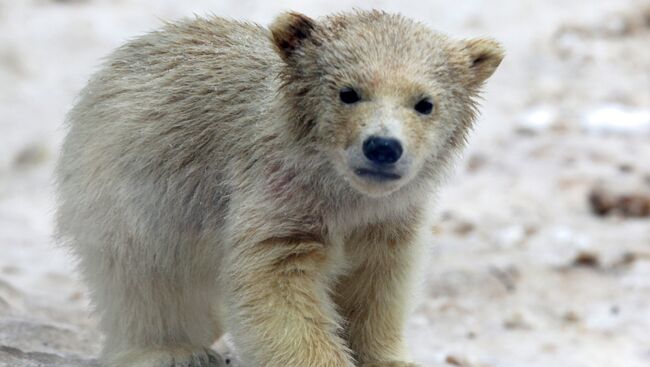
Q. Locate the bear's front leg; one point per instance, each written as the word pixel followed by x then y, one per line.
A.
pixel 374 296
pixel 279 310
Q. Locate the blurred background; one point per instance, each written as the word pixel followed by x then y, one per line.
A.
pixel 541 244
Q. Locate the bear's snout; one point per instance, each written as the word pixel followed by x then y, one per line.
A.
pixel 382 150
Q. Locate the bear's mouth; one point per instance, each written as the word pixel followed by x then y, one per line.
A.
pixel 377 175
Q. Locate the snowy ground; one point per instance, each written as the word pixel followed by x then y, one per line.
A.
pixel 522 272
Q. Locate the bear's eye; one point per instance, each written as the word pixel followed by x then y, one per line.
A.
pixel 424 106
pixel 349 95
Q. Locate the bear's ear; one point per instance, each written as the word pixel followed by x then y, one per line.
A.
pixel 289 31
pixel 485 55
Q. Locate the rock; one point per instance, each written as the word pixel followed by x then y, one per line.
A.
pixel 46 338
pixel 31 155
pixel 586 259
pixel 14 357
pixel 628 204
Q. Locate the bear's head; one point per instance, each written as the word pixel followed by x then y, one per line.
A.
pixel 385 98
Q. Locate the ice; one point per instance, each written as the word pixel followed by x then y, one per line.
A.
pixel 538 119
pixel 617 119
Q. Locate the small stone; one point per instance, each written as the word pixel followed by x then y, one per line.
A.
pixel 464 228
pixel 571 317
pixel 454 361
pixel 476 162
pixel 31 155
pixel 516 322
pixel 586 259
pixel 628 204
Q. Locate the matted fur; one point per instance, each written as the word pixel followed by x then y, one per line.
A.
pixel 202 188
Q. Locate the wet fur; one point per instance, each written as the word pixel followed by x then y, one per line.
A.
pixel 198 188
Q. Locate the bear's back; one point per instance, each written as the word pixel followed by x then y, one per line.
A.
pixel 182 70
pixel 145 131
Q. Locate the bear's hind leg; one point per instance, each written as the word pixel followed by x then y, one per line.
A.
pixel 152 318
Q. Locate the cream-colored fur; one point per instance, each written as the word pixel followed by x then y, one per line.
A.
pixel 207 184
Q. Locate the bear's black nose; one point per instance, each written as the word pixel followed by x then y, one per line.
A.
pixel 381 150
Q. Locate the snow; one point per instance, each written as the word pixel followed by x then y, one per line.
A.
pixel 568 110
pixel 618 119
pixel 538 119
